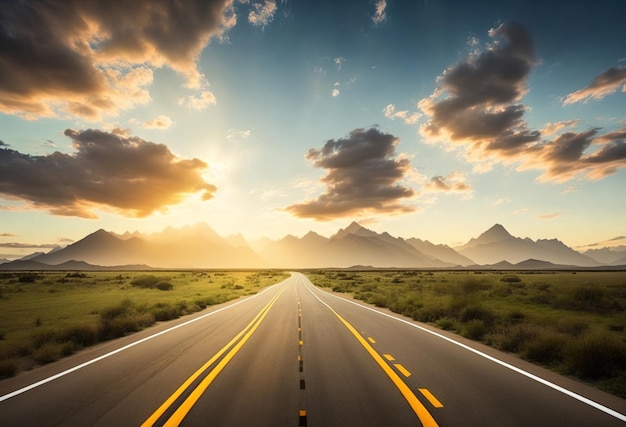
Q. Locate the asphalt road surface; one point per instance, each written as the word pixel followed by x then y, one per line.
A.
pixel 297 355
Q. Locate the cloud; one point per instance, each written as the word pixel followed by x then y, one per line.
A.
pixel 123 174
pixel 201 102
pixel 500 201
pixel 363 176
pixel 479 111
pixel 339 61
pixel 93 58
pixel 580 153
pixel 476 109
pixel 7 235
pixel 549 215
pixel 380 14
pixel 159 122
pixel 238 134
pixel 263 13
pixel 335 92
pixel 15 245
pixel 405 115
pixel 453 183
pixel 552 128
pixel 604 84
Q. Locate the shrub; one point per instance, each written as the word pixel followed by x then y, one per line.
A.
pixel 547 348
pixel 511 278
pixel 515 338
pixel 163 312
pixel 8 368
pixel 148 282
pixel 80 335
pixel 164 286
pixel 446 323
pixel 475 329
pixel 49 352
pixel 595 355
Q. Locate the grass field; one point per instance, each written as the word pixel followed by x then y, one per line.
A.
pixel 573 323
pixel 45 316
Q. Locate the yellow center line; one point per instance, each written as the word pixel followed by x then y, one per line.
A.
pixel 250 327
pixel 420 410
pixel 432 399
pixel 389 357
pixel 372 340
pixel 402 370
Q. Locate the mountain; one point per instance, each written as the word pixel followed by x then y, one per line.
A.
pixel 293 252
pixel 236 240
pixel 497 244
pixel 354 245
pixel 443 252
pixel 100 248
pixel 30 265
pixel 187 247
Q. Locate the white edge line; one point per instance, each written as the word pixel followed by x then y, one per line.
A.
pixel 119 350
pixel 533 377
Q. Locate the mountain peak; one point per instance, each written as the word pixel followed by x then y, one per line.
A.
pixel 354 229
pixel 494 234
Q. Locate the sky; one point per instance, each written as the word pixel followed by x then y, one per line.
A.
pixel 429 119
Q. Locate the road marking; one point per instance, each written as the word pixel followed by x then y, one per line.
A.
pixel 389 357
pixel 520 371
pixel 402 370
pixel 420 410
pixel 372 340
pixel 432 399
pixel 240 339
pixel 121 349
pixel 302 418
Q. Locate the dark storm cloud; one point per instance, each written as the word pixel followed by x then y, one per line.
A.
pixel 88 57
pixel 363 175
pixel 109 170
pixel 605 84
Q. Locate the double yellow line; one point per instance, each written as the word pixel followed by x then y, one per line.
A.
pixel 234 345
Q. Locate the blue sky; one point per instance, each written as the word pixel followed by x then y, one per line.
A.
pixel 425 119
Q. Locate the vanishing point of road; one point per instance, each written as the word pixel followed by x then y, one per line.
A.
pixel 297 355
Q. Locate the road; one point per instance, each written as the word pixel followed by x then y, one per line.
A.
pixel 297 355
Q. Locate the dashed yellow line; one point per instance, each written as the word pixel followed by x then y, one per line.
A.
pixel 372 340
pixel 432 399
pixel 402 370
pixel 389 357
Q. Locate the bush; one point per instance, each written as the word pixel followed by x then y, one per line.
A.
pixel 511 278
pixel 8 368
pixel 547 348
pixel 164 286
pixel 47 353
pixel 515 338
pixel 80 335
pixel 595 355
pixel 475 329
pixel 149 282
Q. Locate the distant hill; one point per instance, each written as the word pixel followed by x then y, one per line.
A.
pixel 497 244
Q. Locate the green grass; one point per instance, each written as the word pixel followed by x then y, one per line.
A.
pixel 46 316
pixel 573 323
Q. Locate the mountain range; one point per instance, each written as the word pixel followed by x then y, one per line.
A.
pixel 199 246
